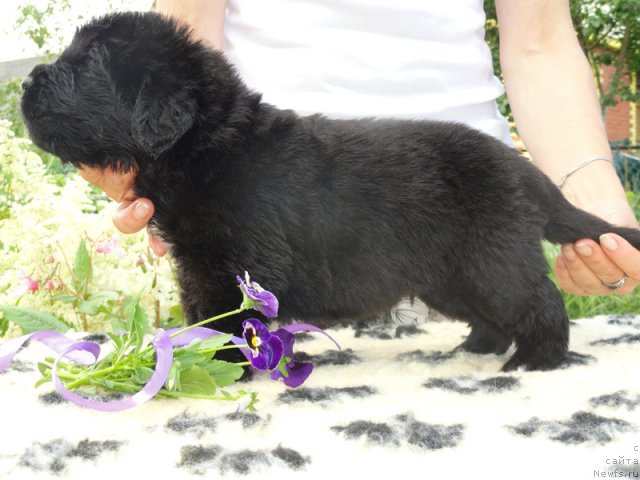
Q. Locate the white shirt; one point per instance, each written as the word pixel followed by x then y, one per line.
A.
pixel 412 59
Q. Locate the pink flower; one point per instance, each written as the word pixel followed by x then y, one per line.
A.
pixel 111 246
pixel 27 284
pixel 52 284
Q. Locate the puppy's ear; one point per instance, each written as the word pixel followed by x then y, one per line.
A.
pixel 161 117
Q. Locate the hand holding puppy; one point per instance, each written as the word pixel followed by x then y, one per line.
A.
pixel 133 213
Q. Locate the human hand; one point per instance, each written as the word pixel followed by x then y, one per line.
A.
pixel 582 267
pixel 133 213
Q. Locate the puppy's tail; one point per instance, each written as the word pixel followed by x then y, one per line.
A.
pixel 567 223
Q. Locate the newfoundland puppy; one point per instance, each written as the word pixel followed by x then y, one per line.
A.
pixel 339 218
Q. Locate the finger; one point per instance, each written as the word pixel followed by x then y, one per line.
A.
pixel 625 256
pixel 565 281
pixel 583 277
pixel 622 253
pixel 117 185
pixel 157 245
pixel 131 217
pixel 597 261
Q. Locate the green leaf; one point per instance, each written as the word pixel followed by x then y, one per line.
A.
pixel 282 366
pixel 139 326
pixel 117 325
pixel 197 380
pixel 173 379
pixel 64 298
pixel 32 320
pixel 216 341
pixel 187 358
pixel 116 339
pixel 4 326
pixel 143 374
pixel 129 309
pixel 44 369
pixel 91 306
pixel 177 313
pixel 223 373
pixel 82 269
pixel 42 381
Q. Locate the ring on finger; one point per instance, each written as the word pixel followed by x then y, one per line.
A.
pixel 618 284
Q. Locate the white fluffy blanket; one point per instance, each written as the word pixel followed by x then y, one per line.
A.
pixel 393 404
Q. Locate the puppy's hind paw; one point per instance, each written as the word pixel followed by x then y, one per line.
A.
pixel 537 361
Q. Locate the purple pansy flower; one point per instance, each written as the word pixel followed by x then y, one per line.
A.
pixel 297 372
pixel 257 297
pixel 265 347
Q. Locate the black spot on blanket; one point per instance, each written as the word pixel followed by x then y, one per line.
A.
pixel 625 321
pixel 408 331
pixel 428 436
pixel 403 430
pixel 99 338
pixel 380 332
pixel 424 357
pixel 452 385
pixel 244 461
pixel 616 400
pixel 51 398
pixel 304 337
pixel 247 420
pixel 191 424
pixel 378 433
pixel 465 385
pixel 198 458
pixel 53 456
pixel 18 366
pixel 626 338
pixel 201 459
pixel 324 394
pixel 92 449
pixel 330 357
pixel 293 459
pixel 582 427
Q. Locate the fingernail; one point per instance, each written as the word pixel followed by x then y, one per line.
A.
pixel 583 249
pixel 140 211
pixel 608 242
pixel 568 253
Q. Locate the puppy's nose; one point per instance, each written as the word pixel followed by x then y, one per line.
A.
pixel 27 82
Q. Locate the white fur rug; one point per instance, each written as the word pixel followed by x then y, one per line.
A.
pixel 393 403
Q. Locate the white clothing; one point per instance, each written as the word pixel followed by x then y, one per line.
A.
pixel 411 59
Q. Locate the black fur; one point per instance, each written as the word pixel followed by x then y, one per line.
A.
pixel 339 218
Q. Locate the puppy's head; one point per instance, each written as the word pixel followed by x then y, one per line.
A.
pixel 126 89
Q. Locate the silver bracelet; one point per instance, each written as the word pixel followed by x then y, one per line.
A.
pixel 578 167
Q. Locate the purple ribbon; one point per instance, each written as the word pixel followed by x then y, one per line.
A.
pixel 87 353
pixel 54 340
pixel 164 358
pixel 307 327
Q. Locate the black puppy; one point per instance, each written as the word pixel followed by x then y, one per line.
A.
pixel 340 219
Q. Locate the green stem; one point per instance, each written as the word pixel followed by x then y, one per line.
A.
pixel 199 324
pixel 98 373
pixel 169 393
pixel 208 320
pixel 217 349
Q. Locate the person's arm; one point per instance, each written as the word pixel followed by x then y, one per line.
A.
pixel 205 17
pixel 554 102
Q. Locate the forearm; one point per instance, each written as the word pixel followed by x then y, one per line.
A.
pixel 205 17
pixel 555 105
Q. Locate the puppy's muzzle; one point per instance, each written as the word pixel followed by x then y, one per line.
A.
pixel 27 82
